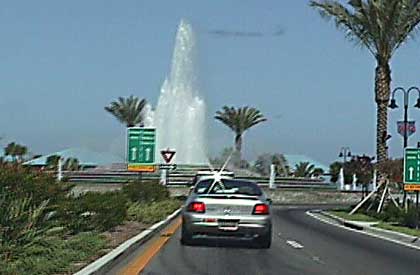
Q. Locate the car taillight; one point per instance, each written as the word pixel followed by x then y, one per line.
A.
pixel 261 209
pixel 197 207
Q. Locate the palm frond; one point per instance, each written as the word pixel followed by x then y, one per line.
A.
pixel 381 26
pixel 128 110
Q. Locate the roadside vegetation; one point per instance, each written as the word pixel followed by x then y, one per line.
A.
pixel 46 230
pixel 355 217
pixel 390 218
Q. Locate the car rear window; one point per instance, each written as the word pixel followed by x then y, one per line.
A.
pixel 227 186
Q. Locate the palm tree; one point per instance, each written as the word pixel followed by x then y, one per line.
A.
pixel 52 162
pixel 239 120
pixel 304 169
pixel 16 151
pixel 10 150
pixel 21 151
pixel 380 26
pixel 128 111
pixel 71 164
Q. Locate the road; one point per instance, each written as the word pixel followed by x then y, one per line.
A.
pixel 301 245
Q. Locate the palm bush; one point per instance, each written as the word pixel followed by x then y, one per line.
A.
pixel 22 224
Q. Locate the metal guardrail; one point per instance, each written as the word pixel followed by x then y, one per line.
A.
pixel 177 179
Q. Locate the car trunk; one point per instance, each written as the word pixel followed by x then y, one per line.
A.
pixel 229 205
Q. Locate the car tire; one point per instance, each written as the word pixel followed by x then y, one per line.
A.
pixel 264 241
pixel 186 237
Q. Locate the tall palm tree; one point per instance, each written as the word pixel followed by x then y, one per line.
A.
pixel 239 120
pixel 128 111
pixel 380 26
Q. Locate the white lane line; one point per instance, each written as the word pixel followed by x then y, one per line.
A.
pixel 294 244
pixel 324 220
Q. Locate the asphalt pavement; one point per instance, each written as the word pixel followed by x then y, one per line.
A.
pixel 301 245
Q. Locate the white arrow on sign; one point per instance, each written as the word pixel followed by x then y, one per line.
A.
pixel 133 153
pixel 148 151
pixel 411 169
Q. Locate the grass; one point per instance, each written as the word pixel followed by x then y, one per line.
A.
pixel 400 229
pixel 355 217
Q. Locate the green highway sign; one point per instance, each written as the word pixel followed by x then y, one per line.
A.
pixel 412 169
pixel 141 147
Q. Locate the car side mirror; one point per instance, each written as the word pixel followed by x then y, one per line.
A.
pixel 270 201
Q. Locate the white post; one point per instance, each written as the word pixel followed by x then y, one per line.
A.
pixel 353 184
pixel 60 170
pixel 341 179
pixel 374 180
pixel 163 176
pixel 271 183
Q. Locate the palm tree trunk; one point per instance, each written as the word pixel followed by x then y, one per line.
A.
pixel 382 94
pixel 238 148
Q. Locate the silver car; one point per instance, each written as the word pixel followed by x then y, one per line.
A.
pixel 226 207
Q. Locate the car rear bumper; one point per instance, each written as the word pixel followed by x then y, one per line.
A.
pixel 246 227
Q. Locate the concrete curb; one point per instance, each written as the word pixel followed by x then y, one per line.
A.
pixel 101 265
pixel 373 230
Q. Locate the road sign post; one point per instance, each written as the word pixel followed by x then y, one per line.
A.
pixel 412 169
pixel 412 174
pixel 167 156
pixel 141 147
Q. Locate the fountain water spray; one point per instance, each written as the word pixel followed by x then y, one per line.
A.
pixel 180 115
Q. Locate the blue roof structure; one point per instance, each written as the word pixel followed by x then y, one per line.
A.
pixel 84 156
pixel 292 160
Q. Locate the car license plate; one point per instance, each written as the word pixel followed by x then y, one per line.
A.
pixel 228 223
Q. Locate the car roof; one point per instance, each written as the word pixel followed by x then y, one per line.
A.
pixel 212 177
pixel 209 172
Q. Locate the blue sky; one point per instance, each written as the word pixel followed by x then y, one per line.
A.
pixel 61 62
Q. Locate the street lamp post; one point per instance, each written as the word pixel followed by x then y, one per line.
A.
pixel 393 105
pixel 344 153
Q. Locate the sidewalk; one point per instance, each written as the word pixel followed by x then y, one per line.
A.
pixel 369 229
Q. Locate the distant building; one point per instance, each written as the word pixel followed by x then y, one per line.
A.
pixel 86 158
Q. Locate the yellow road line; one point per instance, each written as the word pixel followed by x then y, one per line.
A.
pixel 138 264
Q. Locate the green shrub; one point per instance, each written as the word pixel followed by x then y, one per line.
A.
pixel 150 213
pixel 93 211
pixel 21 224
pixel 390 213
pixel 55 255
pixel 149 191
pixel 409 219
pixel 24 182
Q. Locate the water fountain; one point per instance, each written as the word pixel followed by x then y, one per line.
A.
pixel 179 116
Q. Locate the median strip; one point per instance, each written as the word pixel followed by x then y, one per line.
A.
pixel 138 265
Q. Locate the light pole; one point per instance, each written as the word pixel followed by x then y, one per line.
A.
pixel 394 105
pixel 344 153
